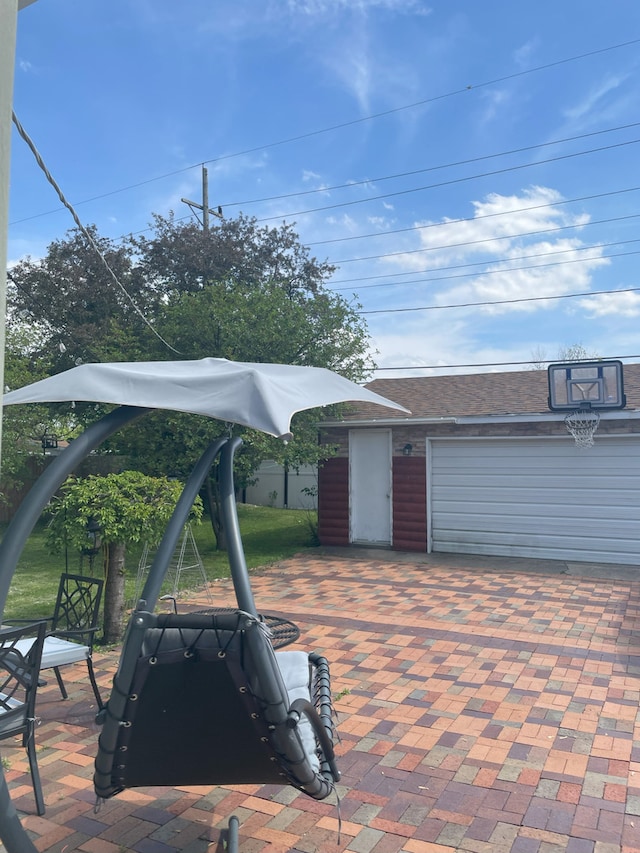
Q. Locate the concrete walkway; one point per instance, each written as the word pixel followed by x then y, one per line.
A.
pixel 485 705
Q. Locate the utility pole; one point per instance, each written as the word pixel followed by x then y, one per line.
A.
pixel 204 207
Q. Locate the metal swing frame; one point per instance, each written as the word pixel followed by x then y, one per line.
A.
pixel 293 760
pixel 219 673
pixel 258 395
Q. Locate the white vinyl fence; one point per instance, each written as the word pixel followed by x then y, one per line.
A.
pixel 279 488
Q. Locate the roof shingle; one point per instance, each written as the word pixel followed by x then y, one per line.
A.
pixel 463 395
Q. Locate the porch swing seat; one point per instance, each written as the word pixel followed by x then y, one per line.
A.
pixel 203 699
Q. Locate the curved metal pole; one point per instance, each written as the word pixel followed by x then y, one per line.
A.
pixel 239 572
pixel 46 486
pixel 176 524
pixel 12 833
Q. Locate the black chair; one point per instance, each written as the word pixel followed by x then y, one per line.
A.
pixel 73 628
pixel 204 698
pixel 18 685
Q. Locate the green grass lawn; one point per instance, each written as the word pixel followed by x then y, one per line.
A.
pixel 268 535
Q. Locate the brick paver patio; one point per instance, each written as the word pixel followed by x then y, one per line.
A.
pixel 480 710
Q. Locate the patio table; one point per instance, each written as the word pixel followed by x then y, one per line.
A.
pixel 282 630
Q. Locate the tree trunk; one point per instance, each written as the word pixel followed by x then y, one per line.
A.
pixel 114 593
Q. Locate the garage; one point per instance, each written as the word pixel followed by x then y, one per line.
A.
pixel 539 497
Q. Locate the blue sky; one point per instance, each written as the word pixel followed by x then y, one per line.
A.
pixel 440 154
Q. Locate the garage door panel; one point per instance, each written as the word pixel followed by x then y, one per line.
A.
pixel 582 543
pixel 537 497
pixel 569 480
pixel 485 524
pixel 569 501
pixel 540 552
pixel 490 509
pixel 561 448
pixel 618 498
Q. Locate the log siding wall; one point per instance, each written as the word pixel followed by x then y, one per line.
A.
pixel 333 502
pixel 409 503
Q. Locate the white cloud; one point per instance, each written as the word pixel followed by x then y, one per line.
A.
pixel 495 102
pixel 590 102
pixel 524 54
pixel 325 7
pixel 493 229
pixel 534 282
pixel 612 304
pixel 523 246
pixel 432 342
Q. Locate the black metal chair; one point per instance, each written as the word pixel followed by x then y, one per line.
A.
pixel 73 628
pixel 203 698
pixel 18 685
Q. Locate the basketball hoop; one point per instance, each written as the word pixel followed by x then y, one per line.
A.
pixel 582 425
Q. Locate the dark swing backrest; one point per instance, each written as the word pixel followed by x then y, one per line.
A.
pixel 202 702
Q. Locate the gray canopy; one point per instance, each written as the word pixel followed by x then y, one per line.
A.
pixel 261 396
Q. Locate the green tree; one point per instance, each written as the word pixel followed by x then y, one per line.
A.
pixel 23 426
pixel 240 291
pixel 247 293
pixel 181 257
pixel 73 308
pixel 128 507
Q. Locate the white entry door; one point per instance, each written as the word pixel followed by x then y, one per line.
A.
pixel 370 486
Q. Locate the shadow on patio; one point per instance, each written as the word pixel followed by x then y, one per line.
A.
pixel 480 709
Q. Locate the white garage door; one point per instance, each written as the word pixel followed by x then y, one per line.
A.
pixel 537 498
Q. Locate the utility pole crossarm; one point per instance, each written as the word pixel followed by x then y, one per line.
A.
pixel 204 207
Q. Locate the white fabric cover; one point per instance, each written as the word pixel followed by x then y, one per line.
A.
pixel 294 668
pixel 261 396
pixel 56 652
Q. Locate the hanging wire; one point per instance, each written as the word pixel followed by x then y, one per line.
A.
pixel 84 231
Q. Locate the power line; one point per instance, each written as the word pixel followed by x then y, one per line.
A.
pixel 502 270
pixel 465 219
pixel 454 93
pixel 450 182
pixel 500 301
pixel 441 166
pixel 492 363
pixel 310 134
pixel 84 231
pixel 461 220
pixel 493 239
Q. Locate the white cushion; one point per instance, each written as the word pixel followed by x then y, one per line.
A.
pixel 13 704
pixel 56 652
pixel 294 667
pixel 11 701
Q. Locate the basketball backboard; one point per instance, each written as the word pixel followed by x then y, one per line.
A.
pixel 586 385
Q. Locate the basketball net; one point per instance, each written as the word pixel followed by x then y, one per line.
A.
pixel 582 425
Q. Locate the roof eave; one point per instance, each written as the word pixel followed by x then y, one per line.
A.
pixel 533 417
pixel 387 421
